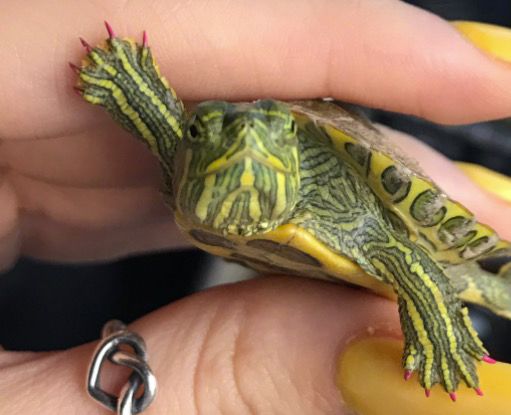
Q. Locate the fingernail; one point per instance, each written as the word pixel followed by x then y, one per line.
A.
pixel 491 181
pixel 492 39
pixel 370 378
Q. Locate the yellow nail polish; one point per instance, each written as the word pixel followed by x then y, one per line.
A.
pixel 370 378
pixel 491 181
pixel 494 40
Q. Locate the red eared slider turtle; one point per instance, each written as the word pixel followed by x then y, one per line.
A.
pixel 307 188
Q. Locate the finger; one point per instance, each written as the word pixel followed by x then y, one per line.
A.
pixel 382 53
pixel 52 221
pixel 366 394
pixel 50 240
pixel 106 158
pixel 81 198
pixel 495 183
pixel 265 346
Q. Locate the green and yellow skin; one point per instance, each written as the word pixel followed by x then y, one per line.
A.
pixel 307 188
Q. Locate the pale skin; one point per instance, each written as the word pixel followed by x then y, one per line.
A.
pixel 76 187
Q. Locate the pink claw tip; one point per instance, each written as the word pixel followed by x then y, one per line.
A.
pixel 78 91
pixel 111 33
pixel 144 39
pixel 74 67
pixel 408 374
pixel 453 396
pixel 86 45
pixel 427 392
pixel 489 360
pixel 479 391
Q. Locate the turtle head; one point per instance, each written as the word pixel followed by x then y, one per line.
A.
pixel 237 168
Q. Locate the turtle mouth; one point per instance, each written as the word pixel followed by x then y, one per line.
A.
pixel 221 165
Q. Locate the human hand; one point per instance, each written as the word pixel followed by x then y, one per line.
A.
pixel 76 188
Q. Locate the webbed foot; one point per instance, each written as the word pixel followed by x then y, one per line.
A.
pixel 442 350
pixel 122 76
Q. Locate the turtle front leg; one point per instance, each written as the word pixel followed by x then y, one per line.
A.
pixel 123 77
pixel 440 342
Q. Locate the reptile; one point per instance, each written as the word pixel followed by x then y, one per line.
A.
pixel 309 188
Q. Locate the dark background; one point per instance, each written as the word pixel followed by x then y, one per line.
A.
pixel 46 306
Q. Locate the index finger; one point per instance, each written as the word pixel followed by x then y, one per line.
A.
pixel 380 53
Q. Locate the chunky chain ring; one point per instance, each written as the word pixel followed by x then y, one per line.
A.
pixel 115 335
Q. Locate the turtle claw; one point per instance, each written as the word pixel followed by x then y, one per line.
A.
pixel 488 360
pixel 453 396
pixel 79 91
pixel 144 39
pixel 74 67
pixel 427 392
pixel 86 45
pixel 111 33
pixel 479 391
pixel 408 374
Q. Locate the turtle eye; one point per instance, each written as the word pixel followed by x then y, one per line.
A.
pixel 292 127
pixel 290 135
pixel 193 131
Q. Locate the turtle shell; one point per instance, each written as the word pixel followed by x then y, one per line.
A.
pixel 442 226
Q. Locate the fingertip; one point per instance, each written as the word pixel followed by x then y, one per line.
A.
pixel 370 380
pixel 491 39
pixel 491 181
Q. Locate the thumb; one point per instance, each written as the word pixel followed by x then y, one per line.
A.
pixel 267 346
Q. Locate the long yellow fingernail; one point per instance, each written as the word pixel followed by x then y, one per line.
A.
pixel 491 181
pixel 370 378
pixel 494 40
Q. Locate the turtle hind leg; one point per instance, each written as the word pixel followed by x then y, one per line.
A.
pixel 477 286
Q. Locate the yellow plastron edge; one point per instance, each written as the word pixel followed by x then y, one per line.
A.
pixel 333 263
pixel 292 235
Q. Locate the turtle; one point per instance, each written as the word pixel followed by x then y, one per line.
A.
pixel 311 188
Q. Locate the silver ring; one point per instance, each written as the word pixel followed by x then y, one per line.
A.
pixel 116 334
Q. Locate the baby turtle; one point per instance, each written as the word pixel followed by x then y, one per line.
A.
pixel 308 188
